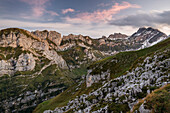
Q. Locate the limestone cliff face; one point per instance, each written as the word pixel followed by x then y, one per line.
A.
pixel 15 38
pixel 53 56
pixel 28 41
pixel 25 62
pixel 73 40
pixel 5 67
pixel 53 36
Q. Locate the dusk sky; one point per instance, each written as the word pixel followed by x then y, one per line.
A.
pixel 94 18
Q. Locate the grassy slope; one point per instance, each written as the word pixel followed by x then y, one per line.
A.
pixel 114 107
pixel 125 62
pixel 158 101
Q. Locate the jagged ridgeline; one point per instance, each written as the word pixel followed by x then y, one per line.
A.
pixel 37 66
pixel 116 83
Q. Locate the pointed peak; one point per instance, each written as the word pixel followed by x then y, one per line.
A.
pixel 141 29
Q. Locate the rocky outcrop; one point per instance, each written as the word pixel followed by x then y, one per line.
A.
pixel 53 56
pixel 6 68
pixel 72 37
pixel 116 36
pixel 21 38
pixel 53 36
pixel 25 62
pixel 90 79
pixel 143 110
pixel 28 100
pixel 74 40
pixel 16 38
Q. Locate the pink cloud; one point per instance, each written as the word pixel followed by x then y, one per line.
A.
pixel 105 15
pixel 38 11
pixel 39 7
pixel 67 10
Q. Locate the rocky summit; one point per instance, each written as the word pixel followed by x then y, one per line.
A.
pixel 42 71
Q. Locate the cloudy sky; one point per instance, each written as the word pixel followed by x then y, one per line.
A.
pixel 88 17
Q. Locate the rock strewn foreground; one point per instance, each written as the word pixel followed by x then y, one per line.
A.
pixel 152 73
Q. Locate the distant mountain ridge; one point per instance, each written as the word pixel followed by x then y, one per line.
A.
pixel 144 37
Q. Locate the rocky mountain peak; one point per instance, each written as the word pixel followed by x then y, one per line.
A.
pixel 72 39
pixel 144 29
pixel 17 32
pixel 148 36
pixel 117 36
pixel 151 29
pixel 53 36
pixel 41 34
pixel 141 29
pixel 15 37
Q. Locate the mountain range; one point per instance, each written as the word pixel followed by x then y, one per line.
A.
pixel 77 73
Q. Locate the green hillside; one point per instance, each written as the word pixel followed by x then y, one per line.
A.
pixel 118 65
